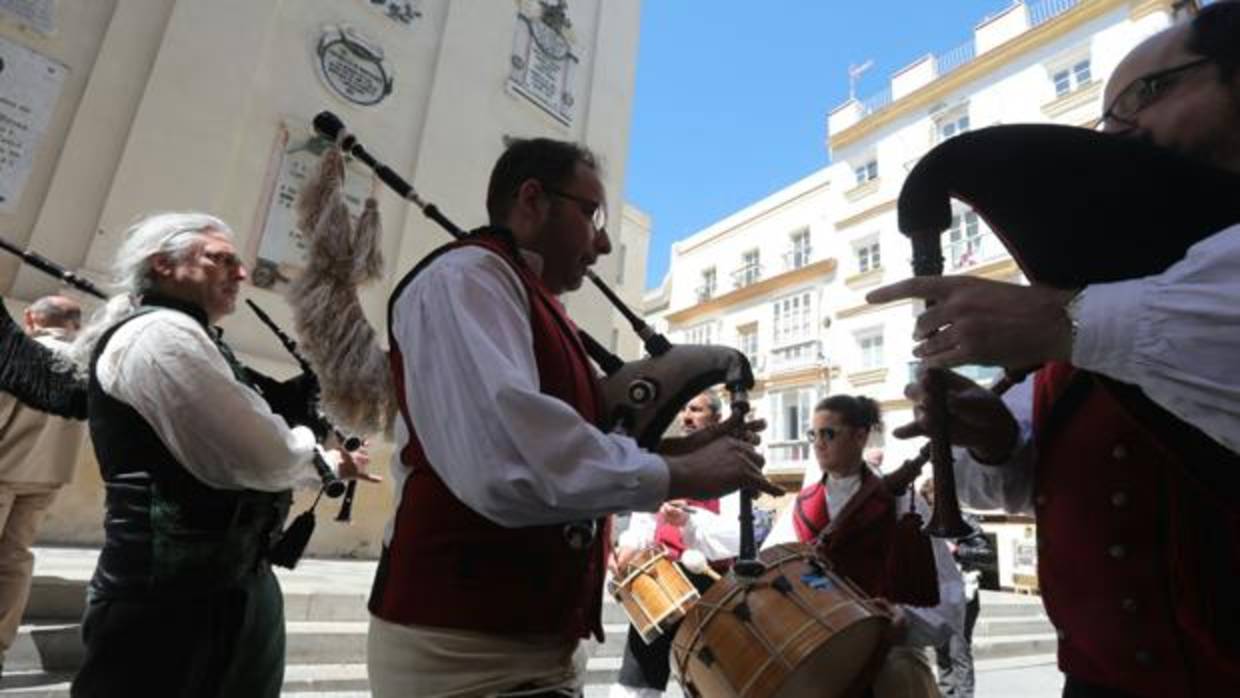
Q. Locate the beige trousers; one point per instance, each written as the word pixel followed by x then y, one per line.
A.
pixel 406 661
pixel 22 508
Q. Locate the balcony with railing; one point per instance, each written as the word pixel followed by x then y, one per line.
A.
pixel 797 257
pixel 704 292
pixel 792 357
pixel 973 250
pixel 746 275
pixel 788 456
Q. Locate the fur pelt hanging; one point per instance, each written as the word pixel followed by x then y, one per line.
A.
pixel 336 337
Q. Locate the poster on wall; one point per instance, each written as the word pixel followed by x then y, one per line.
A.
pixel 35 14
pixel 280 254
pixel 543 60
pixel 30 84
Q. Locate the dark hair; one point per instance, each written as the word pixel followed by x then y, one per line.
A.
pixel 1215 34
pixel 856 410
pixel 546 160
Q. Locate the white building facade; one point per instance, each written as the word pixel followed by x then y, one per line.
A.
pixel 110 109
pixel 784 279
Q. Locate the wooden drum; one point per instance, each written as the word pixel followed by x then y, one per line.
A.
pixel 655 594
pixel 799 630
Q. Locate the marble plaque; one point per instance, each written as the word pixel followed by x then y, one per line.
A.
pixel 281 251
pixel 353 66
pixel 543 64
pixel 30 84
pixel 38 15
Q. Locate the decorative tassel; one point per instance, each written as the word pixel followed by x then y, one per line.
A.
pixel 367 244
pixel 287 550
pixel 335 335
pixel 317 193
pixel 912 575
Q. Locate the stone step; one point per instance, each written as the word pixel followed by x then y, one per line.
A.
pixel 318 680
pixel 58 647
pixel 54 599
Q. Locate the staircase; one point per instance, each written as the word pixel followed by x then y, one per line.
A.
pixel 326 615
pixel 324 609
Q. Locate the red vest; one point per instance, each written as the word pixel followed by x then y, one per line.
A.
pixel 1137 562
pixel 859 545
pixel 669 536
pixel 448 566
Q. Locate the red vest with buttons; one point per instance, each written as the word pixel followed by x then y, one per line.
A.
pixel 859 544
pixel 448 566
pixel 1137 561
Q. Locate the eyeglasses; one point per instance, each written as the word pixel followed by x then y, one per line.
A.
pixel 594 210
pixel 827 434
pixel 228 260
pixel 1143 92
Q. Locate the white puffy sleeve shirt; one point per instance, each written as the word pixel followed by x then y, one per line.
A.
pixel 1175 335
pixel 508 451
pixel 164 365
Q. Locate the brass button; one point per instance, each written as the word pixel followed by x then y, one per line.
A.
pixel 1129 604
pixel 1117 552
pixel 1120 452
pixel 1040 500
pixel 1119 500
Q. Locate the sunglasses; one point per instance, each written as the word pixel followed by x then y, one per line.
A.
pixel 826 434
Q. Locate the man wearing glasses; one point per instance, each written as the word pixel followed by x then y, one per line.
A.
pixel 484 586
pixel 1136 557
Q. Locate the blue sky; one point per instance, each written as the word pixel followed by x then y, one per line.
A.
pixel 732 97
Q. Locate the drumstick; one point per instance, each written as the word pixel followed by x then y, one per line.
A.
pixel 695 562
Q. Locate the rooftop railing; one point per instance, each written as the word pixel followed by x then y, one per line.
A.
pixel 1039 13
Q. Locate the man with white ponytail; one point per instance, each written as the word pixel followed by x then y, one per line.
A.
pixel 197 471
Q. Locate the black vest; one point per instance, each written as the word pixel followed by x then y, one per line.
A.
pixel 165 531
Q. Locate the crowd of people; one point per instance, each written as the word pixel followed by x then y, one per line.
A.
pixel 486 583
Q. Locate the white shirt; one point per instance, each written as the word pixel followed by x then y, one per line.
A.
pixel 926 626
pixel 1176 335
pixel 509 452
pixel 716 536
pixel 164 365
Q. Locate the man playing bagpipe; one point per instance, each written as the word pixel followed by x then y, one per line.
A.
pixel 1138 532
pixel 494 564
pixel 197 472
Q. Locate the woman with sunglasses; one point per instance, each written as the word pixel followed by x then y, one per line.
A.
pixel 853 518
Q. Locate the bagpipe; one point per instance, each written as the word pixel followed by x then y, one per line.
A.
pixel 30 372
pixel 640 397
pixel 1073 207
